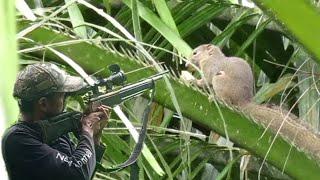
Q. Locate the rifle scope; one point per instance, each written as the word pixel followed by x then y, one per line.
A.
pixel 117 77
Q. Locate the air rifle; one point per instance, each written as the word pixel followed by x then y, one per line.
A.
pixel 66 122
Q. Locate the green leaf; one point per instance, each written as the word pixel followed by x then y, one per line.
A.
pixel 107 5
pixel 252 37
pixel 300 18
pixel 77 20
pixel 162 160
pixel 198 168
pixel 309 105
pixel 179 12
pixel 25 10
pixel 227 168
pixel 268 90
pixel 117 149
pixel 8 62
pixel 182 166
pixel 221 39
pixel 165 14
pixel 166 31
pixel 136 21
pixel 199 18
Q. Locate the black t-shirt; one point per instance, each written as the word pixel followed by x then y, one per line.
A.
pixel 27 157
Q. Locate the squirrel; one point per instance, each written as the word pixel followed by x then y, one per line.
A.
pixel 232 81
pixel 223 72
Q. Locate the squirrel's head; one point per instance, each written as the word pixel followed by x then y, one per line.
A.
pixel 202 53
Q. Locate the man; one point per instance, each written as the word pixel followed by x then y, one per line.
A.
pixel 41 89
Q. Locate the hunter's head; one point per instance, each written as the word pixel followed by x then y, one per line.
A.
pixel 41 88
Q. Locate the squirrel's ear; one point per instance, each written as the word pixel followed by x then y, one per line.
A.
pixel 209 46
pixel 210 49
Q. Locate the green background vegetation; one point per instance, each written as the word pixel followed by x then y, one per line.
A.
pixel 281 43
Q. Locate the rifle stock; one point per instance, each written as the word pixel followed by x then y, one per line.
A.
pixel 57 126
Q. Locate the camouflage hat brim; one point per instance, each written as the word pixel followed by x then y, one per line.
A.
pixel 72 84
pixel 41 79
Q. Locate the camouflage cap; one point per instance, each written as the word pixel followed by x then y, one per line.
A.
pixel 41 79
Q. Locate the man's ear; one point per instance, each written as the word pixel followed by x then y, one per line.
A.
pixel 43 104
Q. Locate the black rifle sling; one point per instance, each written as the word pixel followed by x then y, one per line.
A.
pixel 134 174
pixel 138 147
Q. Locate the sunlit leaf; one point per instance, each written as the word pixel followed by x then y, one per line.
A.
pixel 170 35
pixel 77 20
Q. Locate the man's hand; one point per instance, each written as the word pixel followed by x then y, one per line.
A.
pixel 94 122
pixel 101 124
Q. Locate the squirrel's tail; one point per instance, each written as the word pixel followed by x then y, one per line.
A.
pixel 288 125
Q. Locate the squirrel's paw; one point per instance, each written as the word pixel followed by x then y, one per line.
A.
pixel 187 77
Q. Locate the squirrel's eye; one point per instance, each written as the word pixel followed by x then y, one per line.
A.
pixel 194 52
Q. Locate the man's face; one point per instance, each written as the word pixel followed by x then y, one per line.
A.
pixel 55 104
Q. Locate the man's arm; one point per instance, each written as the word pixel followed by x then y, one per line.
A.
pixel 65 145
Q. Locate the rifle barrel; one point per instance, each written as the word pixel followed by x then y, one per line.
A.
pixel 130 91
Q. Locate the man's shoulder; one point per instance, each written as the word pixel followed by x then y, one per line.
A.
pixel 19 131
pixel 11 131
pixel 10 142
pixel 17 139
